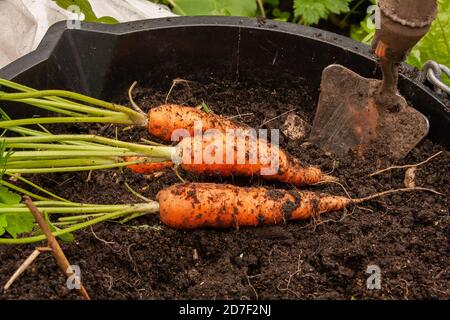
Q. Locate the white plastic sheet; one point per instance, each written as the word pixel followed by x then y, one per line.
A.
pixel 23 23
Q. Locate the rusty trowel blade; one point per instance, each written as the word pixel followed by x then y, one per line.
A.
pixel 348 118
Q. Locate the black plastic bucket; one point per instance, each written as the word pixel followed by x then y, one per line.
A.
pixel 96 58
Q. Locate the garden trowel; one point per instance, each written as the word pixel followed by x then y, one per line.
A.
pixel 369 115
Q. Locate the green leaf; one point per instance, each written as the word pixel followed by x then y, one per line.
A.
pixel 244 8
pixel 18 223
pixel 68 237
pixel 436 44
pixel 86 9
pixel 364 32
pixel 107 20
pixel 12 223
pixel 84 5
pixel 281 15
pixel 205 107
pixel 8 197
pixel 338 6
pixel 311 11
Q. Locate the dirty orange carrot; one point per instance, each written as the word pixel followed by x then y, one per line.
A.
pixel 219 154
pixel 161 121
pixel 246 156
pixel 165 119
pixel 197 205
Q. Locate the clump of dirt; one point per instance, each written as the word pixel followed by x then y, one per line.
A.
pixel 405 235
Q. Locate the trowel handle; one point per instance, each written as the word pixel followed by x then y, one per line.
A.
pixel 402 24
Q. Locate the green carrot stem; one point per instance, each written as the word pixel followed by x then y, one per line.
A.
pixel 50 146
pixel 150 208
pixel 53 109
pixel 50 203
pixel 39 188
pixel 57 163
pixel 70 210
pixel 23 88
pixel 74 96
pixel 29 121
pixel 164 152
pixel 81 217
pixel 72 169
pixel 36 133
pixel 21 190
pixel 62 224
pixel 16 86
pixel 27 131
pixel 67 106
pixel 135 193
pixel 21 155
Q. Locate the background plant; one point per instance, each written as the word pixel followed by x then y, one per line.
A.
pixel 347 17
pixel 86 10
pixel 306 12
pixel 434 46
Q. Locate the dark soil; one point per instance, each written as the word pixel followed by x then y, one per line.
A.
pixel 406 235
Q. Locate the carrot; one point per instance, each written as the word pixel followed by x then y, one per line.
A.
pixel 240 156
pixel 192 205
pixel 268 161
pixel 215 154
pixel 165 119
pixel 149 167
pixel 199 205
pixel 73 107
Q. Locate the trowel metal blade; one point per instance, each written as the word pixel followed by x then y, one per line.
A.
pixel 348 118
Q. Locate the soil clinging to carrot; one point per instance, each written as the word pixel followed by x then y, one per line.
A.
pixel 406 235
